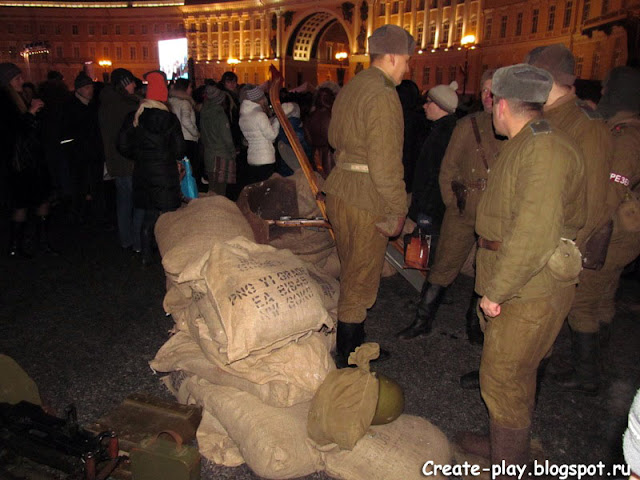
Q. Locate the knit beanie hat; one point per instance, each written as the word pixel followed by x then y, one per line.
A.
pixel 8 71
pixel 621 92
pixel 122 77
pixel 291 109
pixel 156 86
pixel 82 80
pixel 522 82
pixel 255 94
pixel 445 96
pixel 555 59
pixel 214 94
pixel 391 39
pixel 631 441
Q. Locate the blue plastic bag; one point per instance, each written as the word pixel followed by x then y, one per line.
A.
pixel 188 183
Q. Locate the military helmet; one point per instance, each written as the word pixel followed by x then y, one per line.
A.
pixel 390 401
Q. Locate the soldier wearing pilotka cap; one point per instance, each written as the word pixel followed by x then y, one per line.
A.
pixel 366 199
pixel 527 264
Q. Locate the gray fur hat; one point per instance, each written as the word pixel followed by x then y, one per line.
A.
pixel 555 59
pixel 522 82
pixel 255 94
pixel 391 39
pixel 8 71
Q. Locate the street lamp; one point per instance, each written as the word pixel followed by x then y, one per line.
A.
pixel 106 65
pixel 469 43
pixel 340 56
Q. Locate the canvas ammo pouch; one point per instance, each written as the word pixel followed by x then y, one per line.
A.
pixel 565 263
pixel 628 212
pixel 595 250
pixel 156 458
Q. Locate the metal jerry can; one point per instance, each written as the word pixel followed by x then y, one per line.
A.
pixel 158 458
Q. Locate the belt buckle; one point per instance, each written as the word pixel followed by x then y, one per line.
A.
pixel 482 184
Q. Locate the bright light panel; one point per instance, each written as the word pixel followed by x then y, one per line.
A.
pixel 173 58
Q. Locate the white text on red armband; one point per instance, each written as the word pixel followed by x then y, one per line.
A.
pixel 616 177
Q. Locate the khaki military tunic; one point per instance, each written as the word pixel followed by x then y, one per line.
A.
pixel 366 186
pixel 463 163
pixel 534 198
pixel 595 297
pixel 591 134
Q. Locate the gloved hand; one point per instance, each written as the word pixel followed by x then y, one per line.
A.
pixel 391 226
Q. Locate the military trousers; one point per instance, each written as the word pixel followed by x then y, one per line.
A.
pixel 594 304
pixel 361 249
pixel 457 237
pixel 514 344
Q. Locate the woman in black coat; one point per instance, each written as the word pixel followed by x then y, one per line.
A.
pixel 152 138
pixel 27 178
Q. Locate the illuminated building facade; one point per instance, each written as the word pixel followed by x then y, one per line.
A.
pixel 457 39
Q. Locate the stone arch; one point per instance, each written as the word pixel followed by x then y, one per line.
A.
pixel 304 33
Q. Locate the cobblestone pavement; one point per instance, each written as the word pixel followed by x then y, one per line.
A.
pixel 85 323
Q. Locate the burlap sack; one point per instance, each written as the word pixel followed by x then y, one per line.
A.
pixel 285 377
pixel 267 297
pixel 272 441
pixel 344 405
pixel 397 450
pixel 215 444
pixel 190 231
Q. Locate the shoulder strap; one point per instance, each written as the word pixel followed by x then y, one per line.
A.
pixel 476 132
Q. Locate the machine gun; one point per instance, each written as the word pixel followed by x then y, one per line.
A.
pixel 28 431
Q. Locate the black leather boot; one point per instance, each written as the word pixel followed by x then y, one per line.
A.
pixel 585 375
pixel 348 337
pixel 430 300
pixel 16 240
pixel 474 332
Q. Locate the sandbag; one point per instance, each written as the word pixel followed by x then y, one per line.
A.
pixel 266 300
pixel 343 407
pixel 190 231
pixel 397 450
pixel 272 441
pixel 285 377
pixel 215 444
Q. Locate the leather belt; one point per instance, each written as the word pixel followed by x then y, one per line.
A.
pixel 493 245
pixel 354 167
pixel 480 184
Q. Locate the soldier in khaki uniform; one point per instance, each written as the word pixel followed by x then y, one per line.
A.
pixel 469 156
pixel 587 128
pixel 594 306
pixel 366 199
pixel 532 204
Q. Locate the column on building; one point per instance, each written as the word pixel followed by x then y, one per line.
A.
pixel 401 13
pixel 220 22
pixel 197 35
pixel 465 17
pixel 438 19
pixel 452 21
pixel 243 54
pixel 264 42
pixel 278 33
pixel 209 40
pixel 252 36
pixel 426 28
pixel 373 13
pixel 387 11
pixel 412 22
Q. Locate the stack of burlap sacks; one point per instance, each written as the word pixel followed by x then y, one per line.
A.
pixel 251 345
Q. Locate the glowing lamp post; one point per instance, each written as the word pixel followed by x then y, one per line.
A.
pixel 106 66
pixel 232 62
pixel 469 43
pixel 341 56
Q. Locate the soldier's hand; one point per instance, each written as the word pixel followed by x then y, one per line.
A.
pixel 490 309
pixel 390 226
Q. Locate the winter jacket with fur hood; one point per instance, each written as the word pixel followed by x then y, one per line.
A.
pixel 260 133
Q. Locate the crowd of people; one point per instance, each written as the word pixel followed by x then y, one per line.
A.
pixel 61 146
pixel 536 180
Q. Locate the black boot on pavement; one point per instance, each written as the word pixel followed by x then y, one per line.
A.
pixel 585 375
pixel 16 240
pixel 430 300
pixel 474 332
